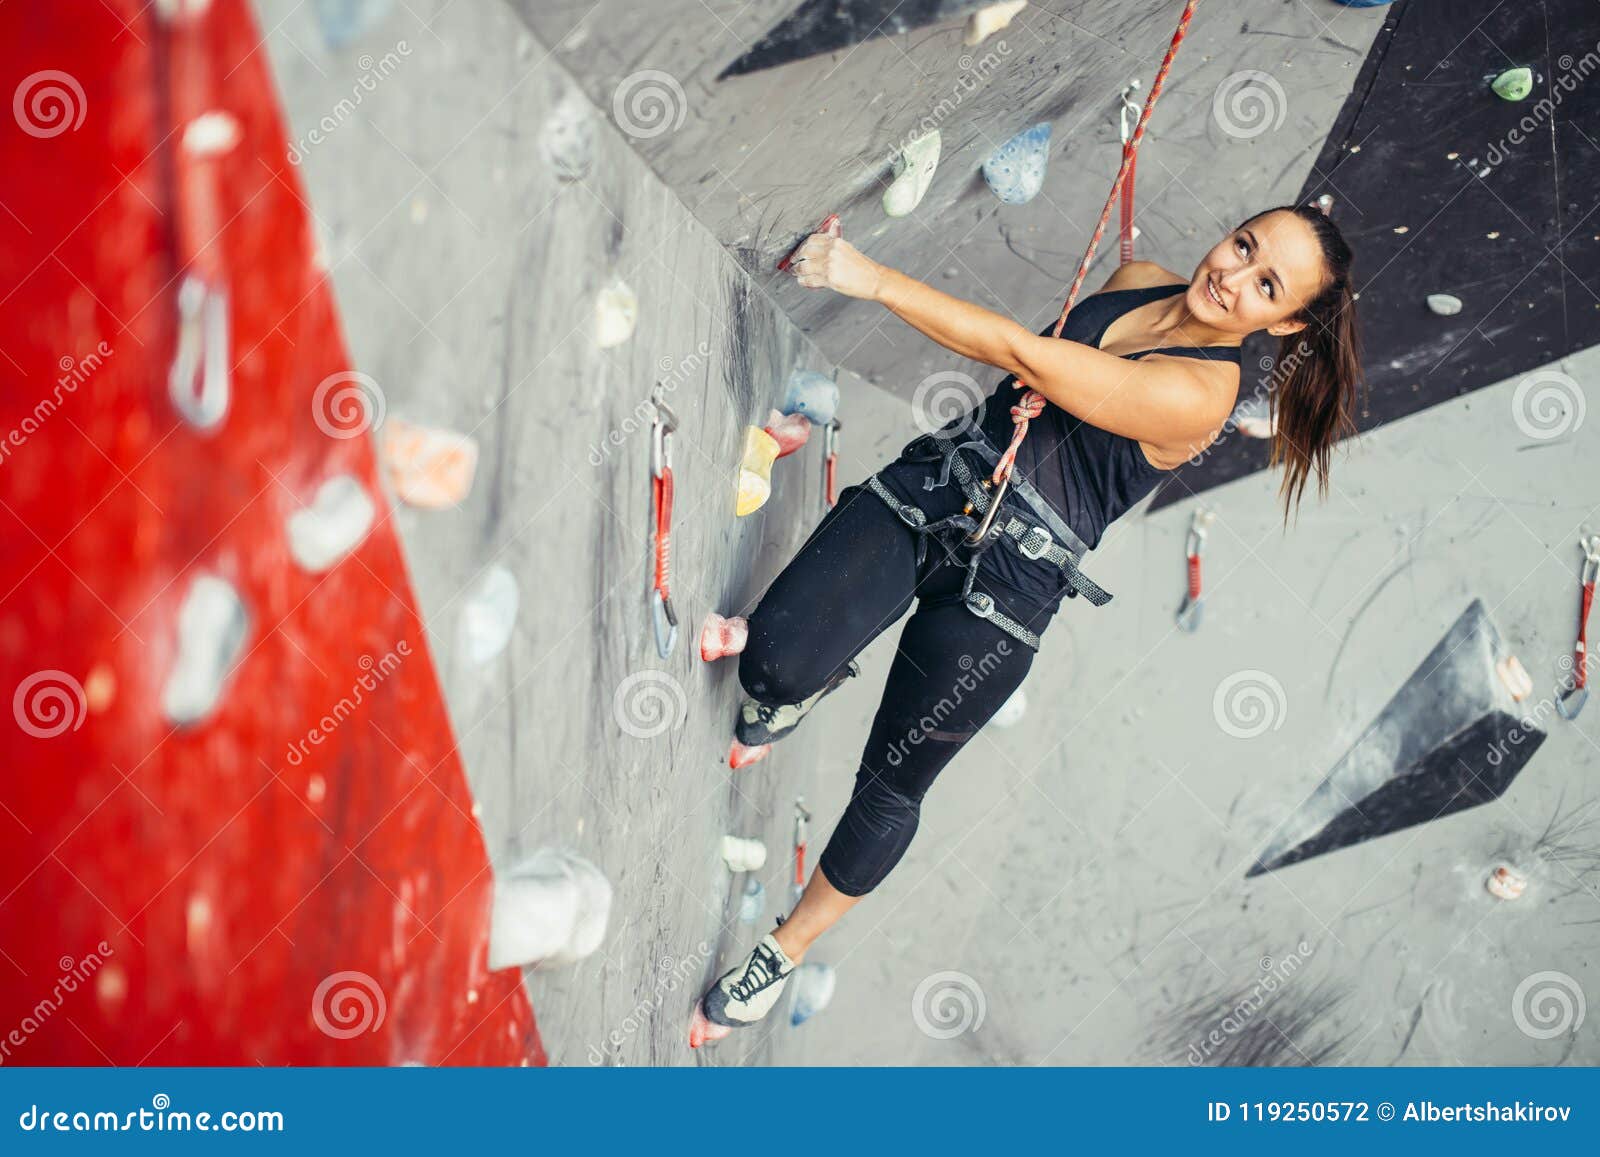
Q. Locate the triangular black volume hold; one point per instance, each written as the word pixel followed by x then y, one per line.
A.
pixel 822 26
pixel 1451 738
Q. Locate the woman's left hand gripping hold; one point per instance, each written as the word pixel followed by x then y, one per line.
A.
pixel 827 261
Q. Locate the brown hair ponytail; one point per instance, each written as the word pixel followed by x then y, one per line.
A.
pixel 1317 373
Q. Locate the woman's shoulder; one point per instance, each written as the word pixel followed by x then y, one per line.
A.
pixel 1142 275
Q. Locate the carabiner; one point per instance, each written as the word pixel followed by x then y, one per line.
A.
pixel 1128 114
pixel 664 424
pixel 977 537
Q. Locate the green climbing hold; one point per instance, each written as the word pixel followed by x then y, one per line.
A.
pixel 1513 84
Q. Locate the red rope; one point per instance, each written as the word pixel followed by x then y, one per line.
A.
pixel 1033 403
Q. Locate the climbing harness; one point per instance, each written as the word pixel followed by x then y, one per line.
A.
pixel 1127 117
pixel 1194 602
pixel 1053 542
pixel 801 817
pixel 1576 694
pixel 1033 403
pixel 663 616
pixel 830 462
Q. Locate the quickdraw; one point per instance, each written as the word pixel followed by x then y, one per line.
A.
pixel 801 818
pixel 664 618
pixel 1033 403
pixel 1576 692
pixel 1127 117
pixel 830 462
pixel 1194 601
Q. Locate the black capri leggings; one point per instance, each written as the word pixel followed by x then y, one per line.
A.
pixel 855 576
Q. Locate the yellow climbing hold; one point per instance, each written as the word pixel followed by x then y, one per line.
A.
pixel 755 470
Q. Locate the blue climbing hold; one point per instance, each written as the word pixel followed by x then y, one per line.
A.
pixel 343 21
pixel 1015 171
pixel 812 394
pixel 813 988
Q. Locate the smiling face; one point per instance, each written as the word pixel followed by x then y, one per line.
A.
pixel 1259 276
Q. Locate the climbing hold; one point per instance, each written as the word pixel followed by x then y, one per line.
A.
pixel 342 21
pixel 742 855
pixel 489 615
pixel 1451 738
pixel 552 909
pixel 812 985
pixel 753 902
pixel 1506 883
pixel 1015 171
pixel 790 431
pixel 830 225
pixel 1513 84
pixel 1011 711
pixel 755 470
pixel 1254 418
pixel 986 21
pixel 740 756
pixel 567 140
pixel 330 528
pixel 720 637
pixel 1444 304
pixel 616 311
pixel 812 394
pixel 1324 204
pixel 913 173
pixel 428 467
pixel 1515 677
pixel 211 629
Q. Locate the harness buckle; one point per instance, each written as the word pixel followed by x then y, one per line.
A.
pixel 981 604
pixel 912 516
pixel 1036 543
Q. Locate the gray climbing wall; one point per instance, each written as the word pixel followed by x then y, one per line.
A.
pixel 467 274
pixel 1076 893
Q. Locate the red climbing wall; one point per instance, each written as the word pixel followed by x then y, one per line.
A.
pixel 198 894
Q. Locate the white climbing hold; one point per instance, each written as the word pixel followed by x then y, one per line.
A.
pixel 567 139
pixel 616 312
pixel 211 629
pixel 1253 417
pixel 1011 711
pixel 986 21
pixel 337 520
pixel 1015 171
pixel 914 165
pixel 211 134
pixel 1444 304
pixel 1506 883
pixel 743 855
pixel 550 910
pixel 199 380
pixel 489 615
pixel 813 986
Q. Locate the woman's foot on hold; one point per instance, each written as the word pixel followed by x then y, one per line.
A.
pixel 761 723
pixel 742 995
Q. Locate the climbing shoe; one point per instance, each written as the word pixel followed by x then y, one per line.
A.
pixel 761 723
pixel 742 995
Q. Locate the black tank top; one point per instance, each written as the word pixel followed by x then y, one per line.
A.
pixel 1091 476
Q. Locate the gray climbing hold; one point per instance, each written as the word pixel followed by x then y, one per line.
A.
pixel 489 615
pixel 332 526
pixel 753 902
pixel 343 21
pixel 914 166
pixel 1444 304
pixel 212 624
pixel 567 139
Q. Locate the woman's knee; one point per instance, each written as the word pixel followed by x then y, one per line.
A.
pixel 772 668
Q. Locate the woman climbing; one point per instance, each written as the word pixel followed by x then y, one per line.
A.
pixel 1142 378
